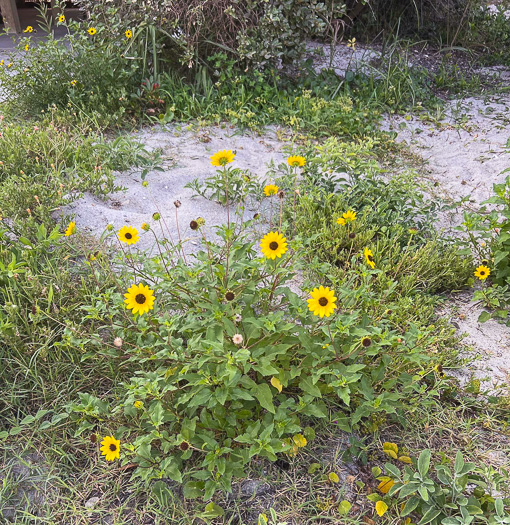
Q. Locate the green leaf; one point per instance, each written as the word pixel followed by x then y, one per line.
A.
pixel 307 386
pixel 213 511
pixel 410 506
pixel 344 507
pixel 483 317
pixel 459 462
pixel 265 398
pixel 431 514
pixel 193 489
pixel 424 463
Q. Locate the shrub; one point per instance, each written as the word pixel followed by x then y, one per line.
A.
pixel 82 72
pixel 258 32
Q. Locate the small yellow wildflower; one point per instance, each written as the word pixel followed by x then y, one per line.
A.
pixel 110 448
pixel 482 272
pixel 348 216
pixel 139 298
pixel 129 33
pixel 70 229
pixel 62 18
pixel 27 47
pixel 273 245
pixel 92 31
pixel 322 302
pixel 138 404
pixel 369 258
pixel 129 235
pixel 296 161
pixel 1 62
pixel 29 29
pixel 74 82
pixel 351 43
pixel 270 189
pixel 222 158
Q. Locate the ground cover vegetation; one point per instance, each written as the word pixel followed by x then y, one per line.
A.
pixel 157 384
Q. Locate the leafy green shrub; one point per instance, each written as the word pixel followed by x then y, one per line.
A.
pixel 258 32
pixel 82 72
pixel 448 497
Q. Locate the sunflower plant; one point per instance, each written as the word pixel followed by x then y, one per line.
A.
pixel 229 364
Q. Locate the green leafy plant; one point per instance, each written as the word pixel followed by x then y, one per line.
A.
pixel 446 497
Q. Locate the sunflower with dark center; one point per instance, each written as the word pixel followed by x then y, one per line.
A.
pixel 366 341
pixel 482 272
pixel 129 235
pixel 230 296
pixel 273 245
pixel 139 299
pixel 322 301
pixel 110 448
pixel 369 258
pixel 193 225
pixel 184 446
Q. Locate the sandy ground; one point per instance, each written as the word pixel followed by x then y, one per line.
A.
pixel 187 157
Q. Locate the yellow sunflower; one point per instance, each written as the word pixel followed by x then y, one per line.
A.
pixel 129 33
pixel 296 161
pixel 110 448
pixel 27 47
pixel 482 272
pixel 70 229
pixel 62 18
pixel 369 258
pixel 129 235
pixel 29 29
pixel 222 158
pixel 74 82
pixel 139 298
pixel 273 245
pixel 270 189
pixel 92 31
pixel 322 302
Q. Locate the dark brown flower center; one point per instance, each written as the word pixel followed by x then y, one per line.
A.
pixel 323 301
pixel 370 258
pixel 352 235
pixel 482 272
pixel 184 446
pixel 273 245
pixel 128 236
pixel 113 447
pixel 366 342
pixel 193 225
pixel 140 298
pixel 230 296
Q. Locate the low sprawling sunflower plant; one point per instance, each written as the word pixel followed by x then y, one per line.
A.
pixel 229 363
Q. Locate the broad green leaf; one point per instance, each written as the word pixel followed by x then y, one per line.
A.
pixel 265 398
pixel 424 462
pixel 344 507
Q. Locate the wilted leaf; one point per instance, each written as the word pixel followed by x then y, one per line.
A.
pixel 333 477
pixel 300 440
pixel 385 485
pixel 381 508
pixel 277 383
